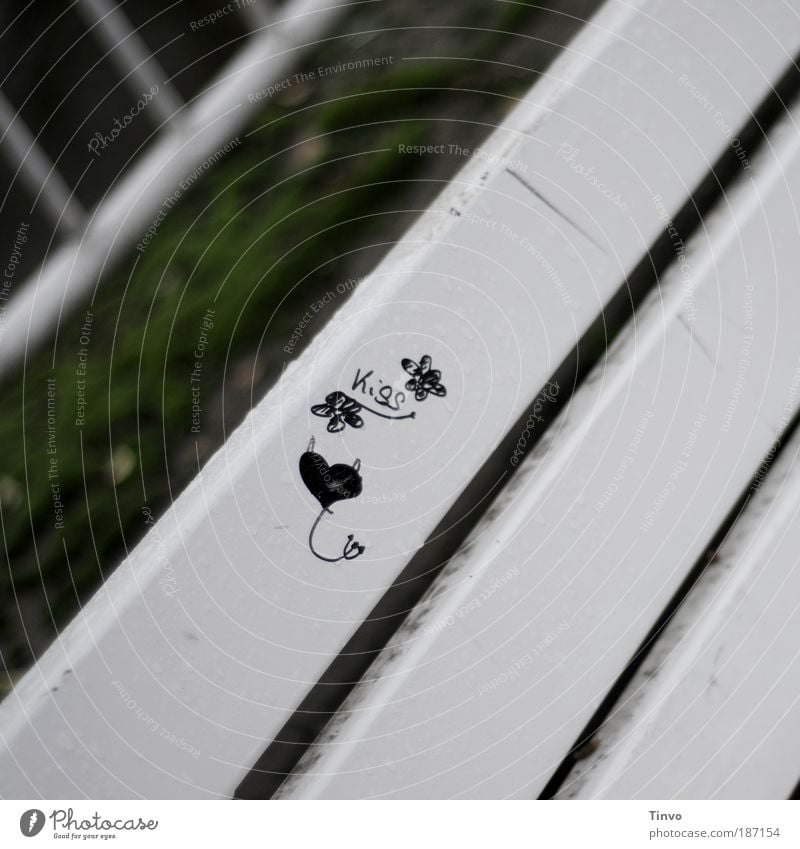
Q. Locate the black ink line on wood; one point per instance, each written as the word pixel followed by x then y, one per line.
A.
pixel 555 209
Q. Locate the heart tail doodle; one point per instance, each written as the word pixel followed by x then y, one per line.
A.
pixel 352 548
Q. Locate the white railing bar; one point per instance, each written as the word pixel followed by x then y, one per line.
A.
pixel 256 14
pixel 127 50
pixel 35 169
pixel 126 212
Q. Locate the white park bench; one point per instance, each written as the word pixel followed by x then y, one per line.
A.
pixel 618 608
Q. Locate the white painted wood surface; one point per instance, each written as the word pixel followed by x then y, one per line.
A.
pixel 715 709
pixel 215 627
pixel 497 672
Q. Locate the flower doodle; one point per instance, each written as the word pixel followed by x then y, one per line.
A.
pixel 342 410
pixel 424 380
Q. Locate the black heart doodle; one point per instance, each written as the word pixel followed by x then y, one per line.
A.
pixel 329 484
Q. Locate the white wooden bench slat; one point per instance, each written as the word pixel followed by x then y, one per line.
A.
pixel 221 620
pixel 714 710
pixel 495 675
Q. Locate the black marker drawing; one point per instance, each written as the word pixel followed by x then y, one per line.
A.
pixel 424 380
pixel 343 410
pixel 329 484
pixel 382 393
